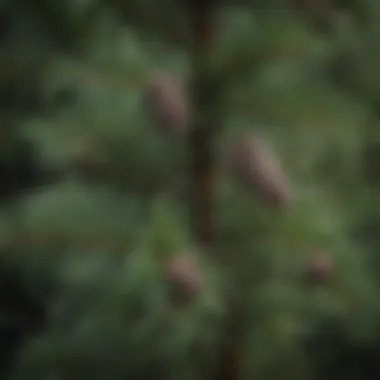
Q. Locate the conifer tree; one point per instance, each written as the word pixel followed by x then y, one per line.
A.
pixel 189 190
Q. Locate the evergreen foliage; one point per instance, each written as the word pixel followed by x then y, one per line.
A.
pixel 101 276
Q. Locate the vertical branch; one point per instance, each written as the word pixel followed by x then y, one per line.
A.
pixel 204 126
pixel 206 90
pixel 228 358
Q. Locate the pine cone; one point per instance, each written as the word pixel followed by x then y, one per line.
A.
pixel 319 267
pixel 184 276
pixel 257 165
pixel 168 104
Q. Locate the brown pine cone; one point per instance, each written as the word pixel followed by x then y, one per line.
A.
pixel 184 276
pixel 168 104
pixel 319 267
pixel 257 165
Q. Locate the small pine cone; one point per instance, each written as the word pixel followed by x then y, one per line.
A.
pixel 257 165
pixel 184 276
pixel 319 267
pixel 168 104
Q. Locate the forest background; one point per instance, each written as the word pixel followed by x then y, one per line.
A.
pixel 176 212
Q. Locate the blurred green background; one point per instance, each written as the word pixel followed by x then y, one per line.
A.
pixel 94 197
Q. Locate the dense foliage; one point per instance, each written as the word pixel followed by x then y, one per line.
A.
pixel 100 275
